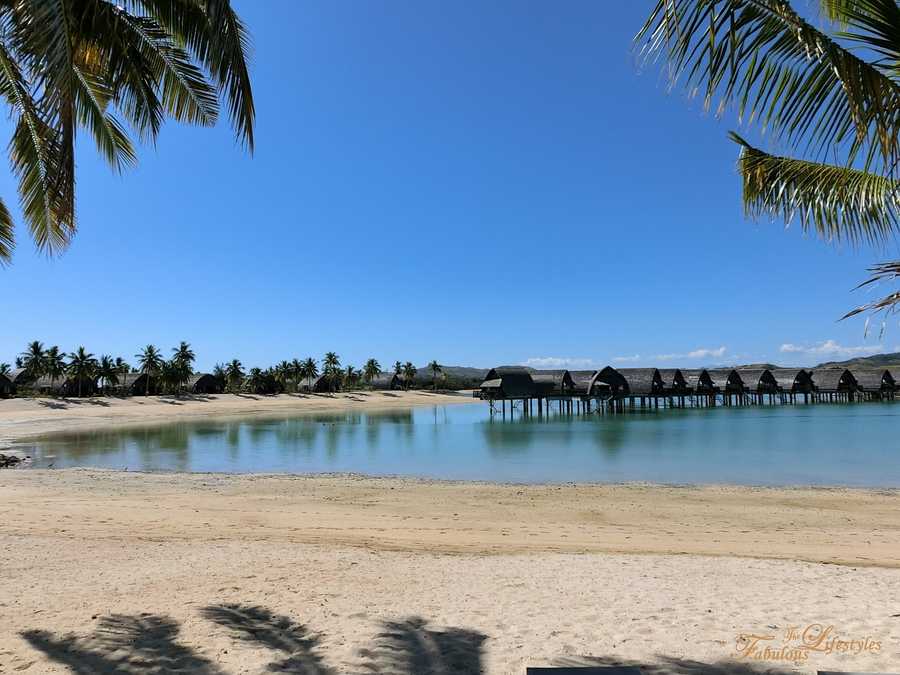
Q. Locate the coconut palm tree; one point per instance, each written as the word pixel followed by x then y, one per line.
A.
pixel 33 360
pixel 108 372
pixel 371 370
pixel 310 370
pixel 82 366
pixel 150 362
pixel 54 365
pixel 398 368
pixel 5 369
pixel 282 374
pixel 331 365
pixel 831 92
pixel 234 373
pixel 435 368
pixel 351 377
pixel 122 369
pixel 100 65
pixel 182 363
pixel 296 373
pixel 409 374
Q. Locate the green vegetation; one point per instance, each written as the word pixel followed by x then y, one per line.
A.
pixel 820 95
pixel 80 373
pixel 99 65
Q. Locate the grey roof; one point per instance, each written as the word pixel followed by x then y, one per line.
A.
pixel 757 378
pixel 727 379
pixel 18 376
pixel 792 379
pixel 582 380
pixel 872 379
pixel 514 382
pixel 833 379
pixel 552 381
pixel 698 379
pixel 674 379
pixel 385 380
pixel 642 381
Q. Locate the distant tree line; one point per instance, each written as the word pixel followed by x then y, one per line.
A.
pixel 171 376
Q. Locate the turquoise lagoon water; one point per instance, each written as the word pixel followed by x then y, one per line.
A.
pixel 852 445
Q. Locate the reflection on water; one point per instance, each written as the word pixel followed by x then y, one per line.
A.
pixel 823 445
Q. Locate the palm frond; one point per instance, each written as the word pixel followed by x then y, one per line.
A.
pixel 92 96
pixel 889 271
pixel 838 202
pixel 215 35
pixel 778 70
pixel 7 234
pixel 35 153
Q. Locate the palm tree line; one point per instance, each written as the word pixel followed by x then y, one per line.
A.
pixel 170 376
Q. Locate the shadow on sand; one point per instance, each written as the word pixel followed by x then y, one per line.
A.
pixel 147 644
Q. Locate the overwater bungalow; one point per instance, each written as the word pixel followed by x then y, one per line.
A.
pixel 552 382
pixel 726 380
pixel 793 380
pixel 874 383
pixel 642 381
pixel 386 382
pixel 674 382
pixel 506 383
pixel 834 381
pixel 7 388
pixel 758 381
pixel 699 382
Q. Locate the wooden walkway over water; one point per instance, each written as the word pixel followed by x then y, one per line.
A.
pixel 620 390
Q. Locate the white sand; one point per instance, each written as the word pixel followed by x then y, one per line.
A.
pixel 108 572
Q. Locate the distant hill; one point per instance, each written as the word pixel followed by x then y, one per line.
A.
pixel 876 361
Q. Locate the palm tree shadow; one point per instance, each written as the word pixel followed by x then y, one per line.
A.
pixel 410 647
pixel 670 665
pixel 274 631
pixel 123 645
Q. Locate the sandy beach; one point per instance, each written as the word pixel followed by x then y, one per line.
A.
pixel 25 417
pixel 125 572
pixel 105 571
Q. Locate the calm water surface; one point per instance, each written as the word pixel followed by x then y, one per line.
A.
pixel 854 445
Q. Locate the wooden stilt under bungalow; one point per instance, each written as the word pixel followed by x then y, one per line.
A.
pixel 793 381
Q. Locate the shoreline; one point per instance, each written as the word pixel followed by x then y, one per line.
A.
pixel 829 525
pixel 23 419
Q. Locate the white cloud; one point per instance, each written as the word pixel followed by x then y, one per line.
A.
pixel 559 362
pixel 829 348
pixel 701 353
pixel 627 359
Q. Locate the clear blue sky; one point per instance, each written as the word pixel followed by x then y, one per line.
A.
pixel 478 183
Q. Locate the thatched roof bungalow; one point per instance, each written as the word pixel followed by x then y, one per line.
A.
pixel 643 381
pixel 19 377
pixel 136 384
pixel 7 388
pixel 386 382
pixel 674 382
pixel 873 380
pixel 64 386
pixel 699 381
pixel 793 380
pixel 728 381
pixel 552 382
pixel 321 384
pixel 508 382
pixel 833 380
pixel 204 383
pixel 758 380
